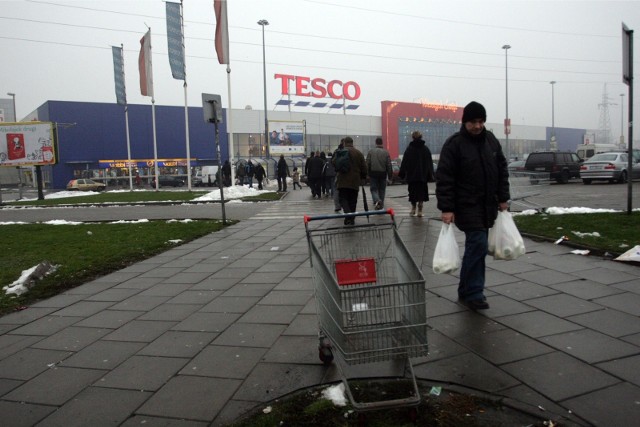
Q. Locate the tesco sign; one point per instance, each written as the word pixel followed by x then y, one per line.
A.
pixel 318 88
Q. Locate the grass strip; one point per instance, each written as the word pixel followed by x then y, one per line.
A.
pixel 617 232
pixel 85 251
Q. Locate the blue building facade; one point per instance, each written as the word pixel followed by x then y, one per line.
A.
pixel 92 141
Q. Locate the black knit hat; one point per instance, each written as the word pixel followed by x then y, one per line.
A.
pixel 472 111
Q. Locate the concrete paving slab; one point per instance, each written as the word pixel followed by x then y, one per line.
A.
pixel 442 347
pixel 171 312
pixel 224 304
pixel 110 319
pixel 102 355
pixel 190 398
pixel 250 335
pixel 523 290
pixel 611 322
pixel 7 385
pixel 503 306
pixel 294 349
pixel 232 411
pixel 54 386
pixel 284 298
pixel 194 296
pixel 538 324
pixel 249 290
pixel 630 286
pixel 84 308
pixel 278 314
pixel 224 362
pixel 113 294
pixel 139 420
pixel 178 344
pixel 166 289
pixel 72 339
pixel 140 331
pixel 586 289
pixel 96 406
pixel 141 283
pixel 627 302
pixel 591 346
pixel 270 380
pixel 10 344
pixel 145 373
pixel 303 324
pixel 46 326
pixel 624 367
pixel 503 346
pixel 562 305
pixel 140 303
pixel 612 406
pixel 545 277
pixel 606 276
pixel 206 322
pixel 468 370
pixel 559 376
pixel 463 323
pixel 22 317
pixel 20 414
pixel 58 301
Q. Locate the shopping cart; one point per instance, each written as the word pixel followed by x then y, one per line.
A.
pixel 370 298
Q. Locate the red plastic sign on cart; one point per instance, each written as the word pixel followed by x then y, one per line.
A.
pixel 355 271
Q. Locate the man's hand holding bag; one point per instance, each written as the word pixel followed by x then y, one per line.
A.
pixel 446 258
pixel 505 241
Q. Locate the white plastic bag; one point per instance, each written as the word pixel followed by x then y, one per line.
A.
pixel 505 238
pixel 446 258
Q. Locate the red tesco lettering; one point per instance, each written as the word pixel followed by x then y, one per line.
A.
pixel 318 88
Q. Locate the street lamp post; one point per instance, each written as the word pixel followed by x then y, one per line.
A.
pixel 263 23
pixel 621 119
pixel 552 144
pixel 507 126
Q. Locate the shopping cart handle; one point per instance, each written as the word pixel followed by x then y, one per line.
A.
pixel 389 211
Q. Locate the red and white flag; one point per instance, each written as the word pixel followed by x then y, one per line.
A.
pixel 222 31
pixel 144 65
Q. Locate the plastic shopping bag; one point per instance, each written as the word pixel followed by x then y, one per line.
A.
pixel 505 238
pixel 446 258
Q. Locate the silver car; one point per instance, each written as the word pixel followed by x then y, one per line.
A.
pixel 610 167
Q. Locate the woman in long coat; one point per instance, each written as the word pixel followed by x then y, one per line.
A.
pixel 417 170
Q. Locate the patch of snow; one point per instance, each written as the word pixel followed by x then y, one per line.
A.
pixel 335 394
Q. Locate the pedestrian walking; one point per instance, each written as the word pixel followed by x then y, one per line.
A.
pixel 329 178
pixel 259 173
pixel 349 181
pixel 226 173
pixel 472 186
pixel 282 174
pixel 314 176
pixel 295 176
pixel 241 173
pixel 379 169
pixel 249 171
pixel 417 170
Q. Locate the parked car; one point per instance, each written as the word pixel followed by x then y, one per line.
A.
pixel 612 167
pixel 168 181
pixel 561 165
pixel 85 185
pixel 516 166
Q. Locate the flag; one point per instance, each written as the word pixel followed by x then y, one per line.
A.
pixel 144 65
pixel 222 31
pixel 175 40
pixel 118 75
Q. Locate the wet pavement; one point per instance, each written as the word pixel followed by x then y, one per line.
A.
pixel 208 330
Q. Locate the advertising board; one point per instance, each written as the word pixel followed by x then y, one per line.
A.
pixel 286 138
pixel 27 144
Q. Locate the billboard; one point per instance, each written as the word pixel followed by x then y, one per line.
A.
pixel 26 144
pixel 286 138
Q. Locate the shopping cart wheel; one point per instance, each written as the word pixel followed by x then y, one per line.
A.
pixel 326 355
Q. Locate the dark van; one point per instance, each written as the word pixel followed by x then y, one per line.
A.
pixel 561 165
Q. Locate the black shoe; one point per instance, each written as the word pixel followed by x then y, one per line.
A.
pixel 476 304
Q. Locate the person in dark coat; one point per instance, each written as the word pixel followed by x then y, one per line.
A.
pixel 282 173
pixel 417 170
pixel 314 175
pixel 259 173
pixel 472 185
pixel 226 173
pixel 348 183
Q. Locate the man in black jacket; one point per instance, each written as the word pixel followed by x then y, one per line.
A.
pixel 472 184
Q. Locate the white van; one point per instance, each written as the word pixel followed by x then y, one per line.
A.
pixel 586 151
pixel 206 176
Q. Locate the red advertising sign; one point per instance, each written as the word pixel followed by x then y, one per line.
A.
pixel 507 126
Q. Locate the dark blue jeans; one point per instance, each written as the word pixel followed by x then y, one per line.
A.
pixel 471 284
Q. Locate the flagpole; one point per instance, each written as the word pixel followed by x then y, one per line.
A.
pixel 153 116
pixel 230 125
pixel 186 107
pixel 126 121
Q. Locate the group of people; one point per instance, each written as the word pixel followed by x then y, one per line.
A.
pixel 321 175
pixel 247 171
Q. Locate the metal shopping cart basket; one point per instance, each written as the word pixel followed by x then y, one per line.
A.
pixel 370 297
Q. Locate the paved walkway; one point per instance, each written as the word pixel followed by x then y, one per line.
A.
pixel 208 330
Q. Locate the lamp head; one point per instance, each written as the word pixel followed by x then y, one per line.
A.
pixel 263 22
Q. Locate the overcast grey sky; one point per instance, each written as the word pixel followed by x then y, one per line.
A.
pixel 406 50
